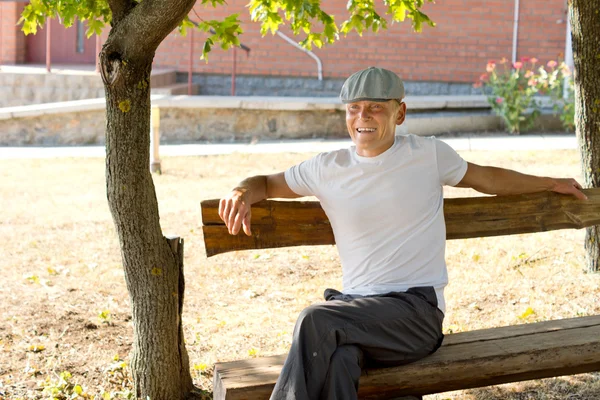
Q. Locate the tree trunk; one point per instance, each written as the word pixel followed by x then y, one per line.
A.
pixel 153 268
pixel 153 264
pixel 585 28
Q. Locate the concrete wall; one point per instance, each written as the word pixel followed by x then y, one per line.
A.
pixel 178 125
pixel 199 119
pixel 35 88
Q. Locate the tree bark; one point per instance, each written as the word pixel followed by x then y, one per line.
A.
pixel 153 264
pixel 585 28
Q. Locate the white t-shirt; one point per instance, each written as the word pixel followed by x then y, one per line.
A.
pixel 386 212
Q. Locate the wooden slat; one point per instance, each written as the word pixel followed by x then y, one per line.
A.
pixel 296 223
pixel 465 360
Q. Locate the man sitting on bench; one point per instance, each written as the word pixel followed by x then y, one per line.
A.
pixel 384 199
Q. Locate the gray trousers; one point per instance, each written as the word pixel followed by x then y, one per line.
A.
pixel 334 340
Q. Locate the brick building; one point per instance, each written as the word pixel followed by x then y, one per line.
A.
pixel 440 60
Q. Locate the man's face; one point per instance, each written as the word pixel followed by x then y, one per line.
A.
pixel 372 125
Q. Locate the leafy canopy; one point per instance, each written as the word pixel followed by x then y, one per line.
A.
pixel 305 17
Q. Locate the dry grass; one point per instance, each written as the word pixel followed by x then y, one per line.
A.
pixel 61 267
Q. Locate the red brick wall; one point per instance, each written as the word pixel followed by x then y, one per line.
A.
pixel 467 35
pixel 12 40
pixel 544 29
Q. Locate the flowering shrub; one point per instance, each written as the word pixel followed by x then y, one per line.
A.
pixel 552 82
pixel 511 92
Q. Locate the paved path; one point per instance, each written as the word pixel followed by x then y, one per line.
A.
pixel 462 143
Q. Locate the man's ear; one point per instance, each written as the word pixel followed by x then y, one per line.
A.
pixel 401 113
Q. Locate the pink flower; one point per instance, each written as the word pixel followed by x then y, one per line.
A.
pixel 528 74
pixel 532 82
pixel 518 65
pixel 499 100
pixel 564 68
pixel 525 59
pixel 534 60
pixel 491 66
pixel 552 64
pixel 477 84
pixel 484 78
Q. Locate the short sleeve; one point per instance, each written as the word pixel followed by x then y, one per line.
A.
pixel 451 167
pixel 303 178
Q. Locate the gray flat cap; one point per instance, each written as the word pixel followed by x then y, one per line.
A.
pixel 374 84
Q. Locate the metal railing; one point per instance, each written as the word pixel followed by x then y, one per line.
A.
pixel 191 60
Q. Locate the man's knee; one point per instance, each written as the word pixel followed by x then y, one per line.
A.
pixel 315 317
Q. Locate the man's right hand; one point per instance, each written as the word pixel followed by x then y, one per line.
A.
pixel 235 211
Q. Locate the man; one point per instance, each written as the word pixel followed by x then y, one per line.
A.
pixel 384 200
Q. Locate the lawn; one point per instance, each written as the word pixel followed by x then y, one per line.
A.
pixel 64 304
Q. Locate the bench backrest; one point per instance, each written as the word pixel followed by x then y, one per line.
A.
pixel 297 223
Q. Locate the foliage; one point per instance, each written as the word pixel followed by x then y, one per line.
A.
pixel 511 92
pixel 63 388
pixel 552 82
pixel 95 12
pixel 118 375
pixel 305 17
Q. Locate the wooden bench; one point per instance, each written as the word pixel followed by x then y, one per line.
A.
pixel 465 360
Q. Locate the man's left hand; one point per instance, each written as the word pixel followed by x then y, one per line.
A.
pixel 568 186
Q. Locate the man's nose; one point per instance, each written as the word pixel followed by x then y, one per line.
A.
pixel 364 114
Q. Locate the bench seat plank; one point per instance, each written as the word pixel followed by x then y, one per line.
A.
pixel 287 223
pixel 465 360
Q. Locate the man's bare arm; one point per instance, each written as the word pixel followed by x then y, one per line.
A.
pixel 500 181
pixel 235 208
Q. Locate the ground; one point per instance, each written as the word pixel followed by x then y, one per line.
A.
pixel 64 305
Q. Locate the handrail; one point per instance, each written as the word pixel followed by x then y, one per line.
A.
pixel 310 53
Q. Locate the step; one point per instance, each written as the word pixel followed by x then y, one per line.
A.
pixel 163 77
pixel 176 89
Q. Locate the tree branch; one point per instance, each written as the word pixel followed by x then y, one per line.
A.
pixel 119 9
pixel 141 28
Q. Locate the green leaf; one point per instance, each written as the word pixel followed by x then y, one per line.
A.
pixel 94 27
pixel 206 49
pixel 185 25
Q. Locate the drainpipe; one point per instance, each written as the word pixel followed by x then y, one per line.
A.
pixel 234 66
pixel 48 42
pixel 568 57
pixel 191 61
pixel 98 52
pixel 1 24
pixel 233 71
pixel 310 53
pixel 515 32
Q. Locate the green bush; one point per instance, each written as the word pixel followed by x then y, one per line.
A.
pixel 551 81
pixel 511 91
